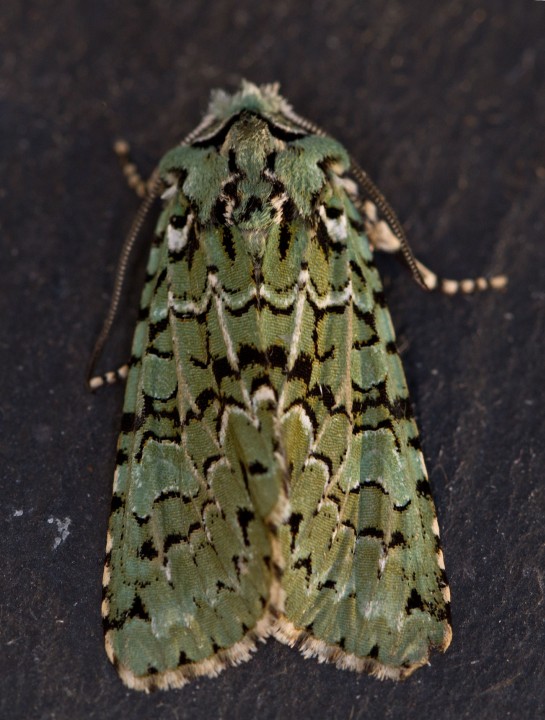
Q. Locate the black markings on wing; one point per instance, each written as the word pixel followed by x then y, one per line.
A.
pixel 375 514
pixel 165 499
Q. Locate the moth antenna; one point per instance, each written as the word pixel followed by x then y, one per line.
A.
pixel 155 185
pixel 391 218
pixel 304 124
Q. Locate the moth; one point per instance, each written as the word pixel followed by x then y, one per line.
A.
pixel 269 478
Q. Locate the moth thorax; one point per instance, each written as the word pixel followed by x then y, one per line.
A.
pixel 251 140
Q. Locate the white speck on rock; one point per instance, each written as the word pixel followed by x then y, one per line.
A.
pixel 62 530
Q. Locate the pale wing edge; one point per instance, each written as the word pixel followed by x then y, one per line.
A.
pixel 311 647
pixel 211 667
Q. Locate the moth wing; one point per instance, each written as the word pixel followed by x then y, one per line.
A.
pixel 364 578
pixel 187 577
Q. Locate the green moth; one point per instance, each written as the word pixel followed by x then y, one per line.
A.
pixel 269 474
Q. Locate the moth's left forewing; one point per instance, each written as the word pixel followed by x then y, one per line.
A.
pixel 188 580
pixel 364 579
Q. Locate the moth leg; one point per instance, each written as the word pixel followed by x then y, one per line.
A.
pixel 382 238
pixel 134 179
pixel 109 378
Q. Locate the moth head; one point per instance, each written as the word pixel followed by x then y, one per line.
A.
pixel 262 99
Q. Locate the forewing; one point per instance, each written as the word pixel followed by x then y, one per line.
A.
pixel 363 580
pixel 187 578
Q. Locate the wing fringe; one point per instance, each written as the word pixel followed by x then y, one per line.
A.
pixel 286 632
